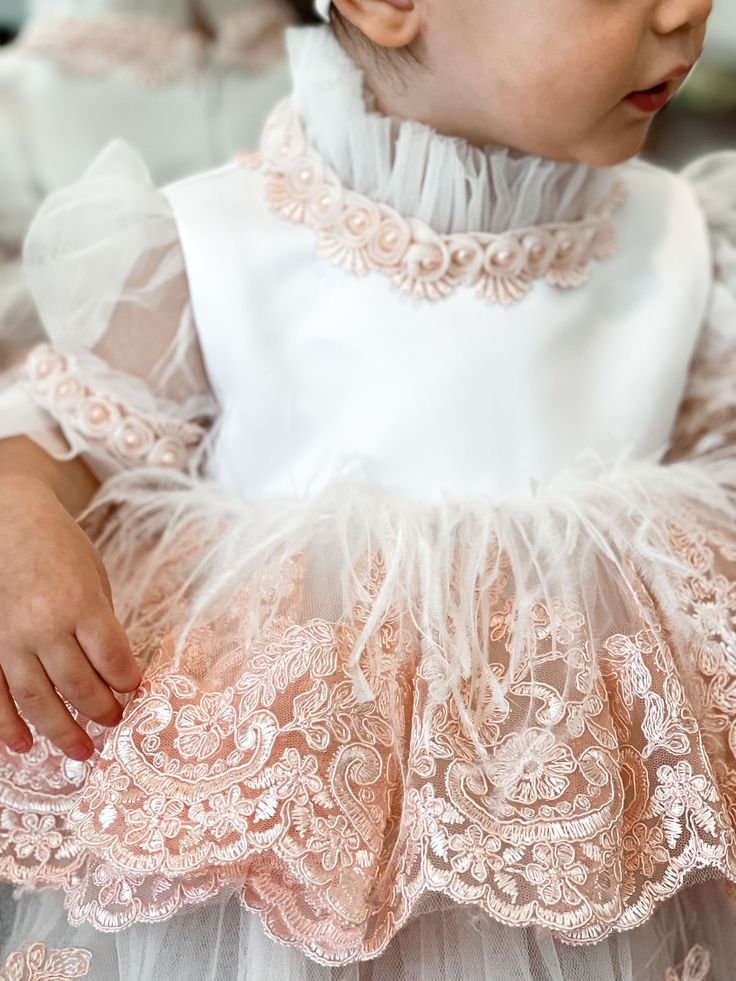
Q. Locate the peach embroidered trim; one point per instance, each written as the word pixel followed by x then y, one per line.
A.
pixel 360 236
pixel 696 967
pixel 153 51
pixel 41 963
pixel 128 436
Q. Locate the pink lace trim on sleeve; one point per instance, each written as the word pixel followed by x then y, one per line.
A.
pixel 129 437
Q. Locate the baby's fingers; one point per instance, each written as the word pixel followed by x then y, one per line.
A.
pixel 13 730
pixel 75 679
pixel 106 646
pixel 40 704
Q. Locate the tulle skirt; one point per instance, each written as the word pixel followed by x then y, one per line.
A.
pixel 691 938
pixel 352 706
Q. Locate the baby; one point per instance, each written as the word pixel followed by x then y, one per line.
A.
pixel 405 449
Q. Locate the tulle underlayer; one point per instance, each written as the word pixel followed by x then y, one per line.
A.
pixel 354 703
pixel 690 939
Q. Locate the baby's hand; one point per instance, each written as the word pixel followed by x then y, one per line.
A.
pixel 58 632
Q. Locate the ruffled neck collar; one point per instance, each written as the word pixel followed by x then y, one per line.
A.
pixel 444 181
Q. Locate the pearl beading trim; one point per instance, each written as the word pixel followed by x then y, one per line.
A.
pixel 128 436
pixel 360 236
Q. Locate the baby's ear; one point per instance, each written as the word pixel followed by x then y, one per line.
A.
pixel 388 23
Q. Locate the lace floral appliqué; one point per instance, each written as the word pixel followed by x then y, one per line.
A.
pixel 360 236
pixel 574 802
pixel 41 963
pixel 696 967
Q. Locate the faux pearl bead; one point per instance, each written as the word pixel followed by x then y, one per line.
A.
pixel 168 458
pixel 132 440
pixel 565 247
pixel 464 256
pixel 502 259
pixel 99 414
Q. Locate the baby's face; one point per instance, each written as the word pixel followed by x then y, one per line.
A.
pixel 566 79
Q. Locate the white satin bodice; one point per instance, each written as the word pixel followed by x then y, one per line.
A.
pixel 321 374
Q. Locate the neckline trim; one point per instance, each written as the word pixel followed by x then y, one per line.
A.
pixel 361 236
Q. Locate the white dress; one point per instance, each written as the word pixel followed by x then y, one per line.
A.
pixel 418 506
pixel 84 72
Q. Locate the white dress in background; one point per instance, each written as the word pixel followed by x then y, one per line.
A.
pixel 189 84
pixel 418 507
pixel 84 72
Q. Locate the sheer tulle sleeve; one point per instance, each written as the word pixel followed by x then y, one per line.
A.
pixel 707 420
pixel 120 379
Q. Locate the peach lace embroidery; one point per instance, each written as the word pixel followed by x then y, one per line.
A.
pixel 42 963
pixel 361 237
pixel 255 771
pixel 696 967
pixel 129 437
pixel 153 51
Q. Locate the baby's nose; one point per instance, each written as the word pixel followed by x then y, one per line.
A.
pixel 671 16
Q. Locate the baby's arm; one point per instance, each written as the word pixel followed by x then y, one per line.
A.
pixel 60 634
pixel 119 387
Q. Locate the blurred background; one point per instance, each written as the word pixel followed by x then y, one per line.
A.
pixel 703 118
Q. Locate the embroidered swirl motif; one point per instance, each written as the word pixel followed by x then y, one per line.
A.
pixel 153 51
pixel 41 963
pixel 578 804
pixel 361 237
pixel 129 437
pixel 696 967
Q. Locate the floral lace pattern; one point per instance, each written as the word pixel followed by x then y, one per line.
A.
pixel 575 804
pixel 130 438
pixel 41 963
pixel 360 236
pixel 696 967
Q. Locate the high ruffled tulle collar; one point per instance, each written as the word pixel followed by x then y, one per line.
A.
pixel 444 181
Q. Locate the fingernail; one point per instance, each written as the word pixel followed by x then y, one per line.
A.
pixel 79 753
pixel 19 745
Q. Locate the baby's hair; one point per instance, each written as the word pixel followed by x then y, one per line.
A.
pixel 304 10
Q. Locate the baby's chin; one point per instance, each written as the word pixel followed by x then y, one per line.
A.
pixel 606 147
pixel 616 148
